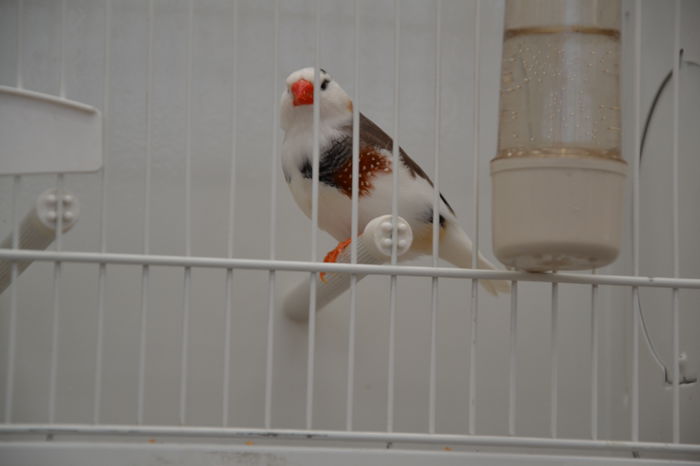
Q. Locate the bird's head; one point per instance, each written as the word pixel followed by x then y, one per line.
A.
pixel 298 98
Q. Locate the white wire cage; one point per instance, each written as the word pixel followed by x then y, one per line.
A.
pixel 157 317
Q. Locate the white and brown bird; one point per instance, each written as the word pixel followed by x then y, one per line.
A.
pixel 415 201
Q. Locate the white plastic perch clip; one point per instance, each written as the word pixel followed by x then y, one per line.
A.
pixel 38 229
pixel 374 246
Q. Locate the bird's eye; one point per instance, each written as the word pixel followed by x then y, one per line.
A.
pixel 324 84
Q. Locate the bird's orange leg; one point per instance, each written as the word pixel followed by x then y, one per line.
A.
pixel 332 256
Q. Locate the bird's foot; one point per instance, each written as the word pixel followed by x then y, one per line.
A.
pixel 332 256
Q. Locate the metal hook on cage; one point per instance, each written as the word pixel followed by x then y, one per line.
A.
pixel 374 246
pixel 37 229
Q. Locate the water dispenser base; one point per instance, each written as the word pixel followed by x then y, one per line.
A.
pixel 557 213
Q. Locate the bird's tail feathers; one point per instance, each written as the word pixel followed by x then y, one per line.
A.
pixel 456 248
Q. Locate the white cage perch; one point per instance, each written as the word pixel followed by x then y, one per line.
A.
pixel 38 228
pixel 374 246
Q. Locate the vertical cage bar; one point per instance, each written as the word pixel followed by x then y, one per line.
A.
pixel 512 380
pixel 273 222
pixel 634 383
pixel 58 266
pixel 594 362
pixel 12 327
pixel 142 344
pixel 57 269
pixel 475 252
pixel 275 122
pixel 20 43
pixel 269 356
pixel 102 269
pixel 395 148
pixel 677 63
pixel 16 188
pixel 62 42
pixel 188 136
pixel 432 391
pixel 274 130
pixel 106 133
pixel 228 303
pixel 554 350
pixel 315 152
pixel 54 341
pixel 231 223
pixel 145 286
pixel 350 390
pixel 60 191
pixel 97 391
pixel 476 131
pixel 676 413
pixel 148 110
pixel 392 355
pixel 394 213
pixel 60 177
pixel 184 359
pixel 436 132
pixel 355 136
pixel 234 134
pixel 314 221
pixel 145 270
pixel 472 359
pixel 311 351
pixel 432 395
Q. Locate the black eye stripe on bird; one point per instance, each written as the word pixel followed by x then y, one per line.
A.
pixel 375 175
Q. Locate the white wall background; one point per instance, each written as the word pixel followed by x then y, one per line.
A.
pixel 246 98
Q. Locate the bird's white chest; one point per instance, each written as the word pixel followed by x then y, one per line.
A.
pixel 334 207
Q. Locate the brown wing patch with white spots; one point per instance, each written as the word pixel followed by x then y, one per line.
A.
pixel 372 163
pixel 374 135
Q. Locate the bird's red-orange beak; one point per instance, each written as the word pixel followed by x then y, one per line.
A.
pixel 303 92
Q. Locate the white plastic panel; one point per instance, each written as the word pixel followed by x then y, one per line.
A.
pixel 41 133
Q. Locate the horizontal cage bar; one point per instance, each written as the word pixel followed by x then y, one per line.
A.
pixel 302 266
pixel 346 436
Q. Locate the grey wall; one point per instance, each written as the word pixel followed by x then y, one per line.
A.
pixel 215 43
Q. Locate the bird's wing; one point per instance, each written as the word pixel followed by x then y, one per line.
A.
pixel 372 134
